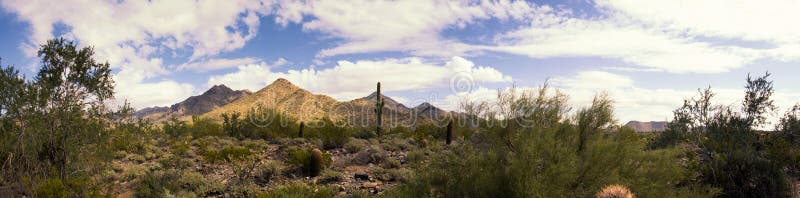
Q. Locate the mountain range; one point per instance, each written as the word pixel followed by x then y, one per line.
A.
pixel 299 103
pixel 215 97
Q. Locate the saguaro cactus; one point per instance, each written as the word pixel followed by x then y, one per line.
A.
pixel 379 110
pixel 449 132
pixel 302 125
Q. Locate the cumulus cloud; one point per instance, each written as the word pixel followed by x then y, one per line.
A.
pixel 347 80
pixel 133 35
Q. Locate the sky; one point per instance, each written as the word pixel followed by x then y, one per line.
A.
pixel 647 55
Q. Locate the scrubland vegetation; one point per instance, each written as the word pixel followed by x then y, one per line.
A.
pixel 62 138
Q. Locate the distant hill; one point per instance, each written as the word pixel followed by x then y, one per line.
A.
pixel 284 96
pixel 653 126
pixel 281 95
pixel 215 97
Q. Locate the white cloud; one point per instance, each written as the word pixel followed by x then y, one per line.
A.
pixel 217 64
pixel 130 86
pixel 634 43
pixel 348 80
pixel 748 20
pixel 412 26
pixel 131 34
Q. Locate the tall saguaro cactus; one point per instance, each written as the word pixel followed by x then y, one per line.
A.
pixel 379 110
pixel 449 132
pixel 302 125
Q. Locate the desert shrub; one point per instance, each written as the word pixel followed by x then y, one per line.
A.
pixel 170 182
pixel 373 154
pixel 135 158
pixel 266 123
pixel 364 133
pixel 329 176
pixel 297 189
pixel 397 144
pixel 175 127
pixel 416 156
pixel 257 144
pixel 535 149
pixel 355 145
pixel 333 134
pixel 267 171
pixel 134 172
pixel 176 162
pixel 390 163
pixel 202 127
pixel 399 130
pixel 197 184
pixel 246 189
pixel 179 148
pixel 52 187
pixel 156 184
pixel 226 154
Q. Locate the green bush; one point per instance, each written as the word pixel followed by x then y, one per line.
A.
pixel 333 134
pixel 374 154
pixel 297 189
pixel 355 145
pixel 202 127
pixel 52 187
pixel 175 127
pixel 416 156
pixel 390 163
pixel 329 176
pixel 227 154
pixel 537 150
pixel 267 171
pixel 156 184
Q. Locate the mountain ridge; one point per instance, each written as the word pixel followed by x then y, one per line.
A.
pixel 214 97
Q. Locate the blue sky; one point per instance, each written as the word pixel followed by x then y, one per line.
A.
pixel 647 55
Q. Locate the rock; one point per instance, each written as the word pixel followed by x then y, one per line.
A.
pixel 361 176
pixel 370 185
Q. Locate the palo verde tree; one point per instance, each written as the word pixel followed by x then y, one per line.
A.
pixel 731 151
pixel 55 125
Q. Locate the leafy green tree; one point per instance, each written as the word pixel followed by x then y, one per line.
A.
pixel 732 154
pixel 56 124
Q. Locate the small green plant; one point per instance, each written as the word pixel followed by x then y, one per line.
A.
pixel 297 189
pixel 52 187
pixel 329 176
pixel 202 127
pixel 227 154
pixel 355 145
pixel 156 184
pixel 267 171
